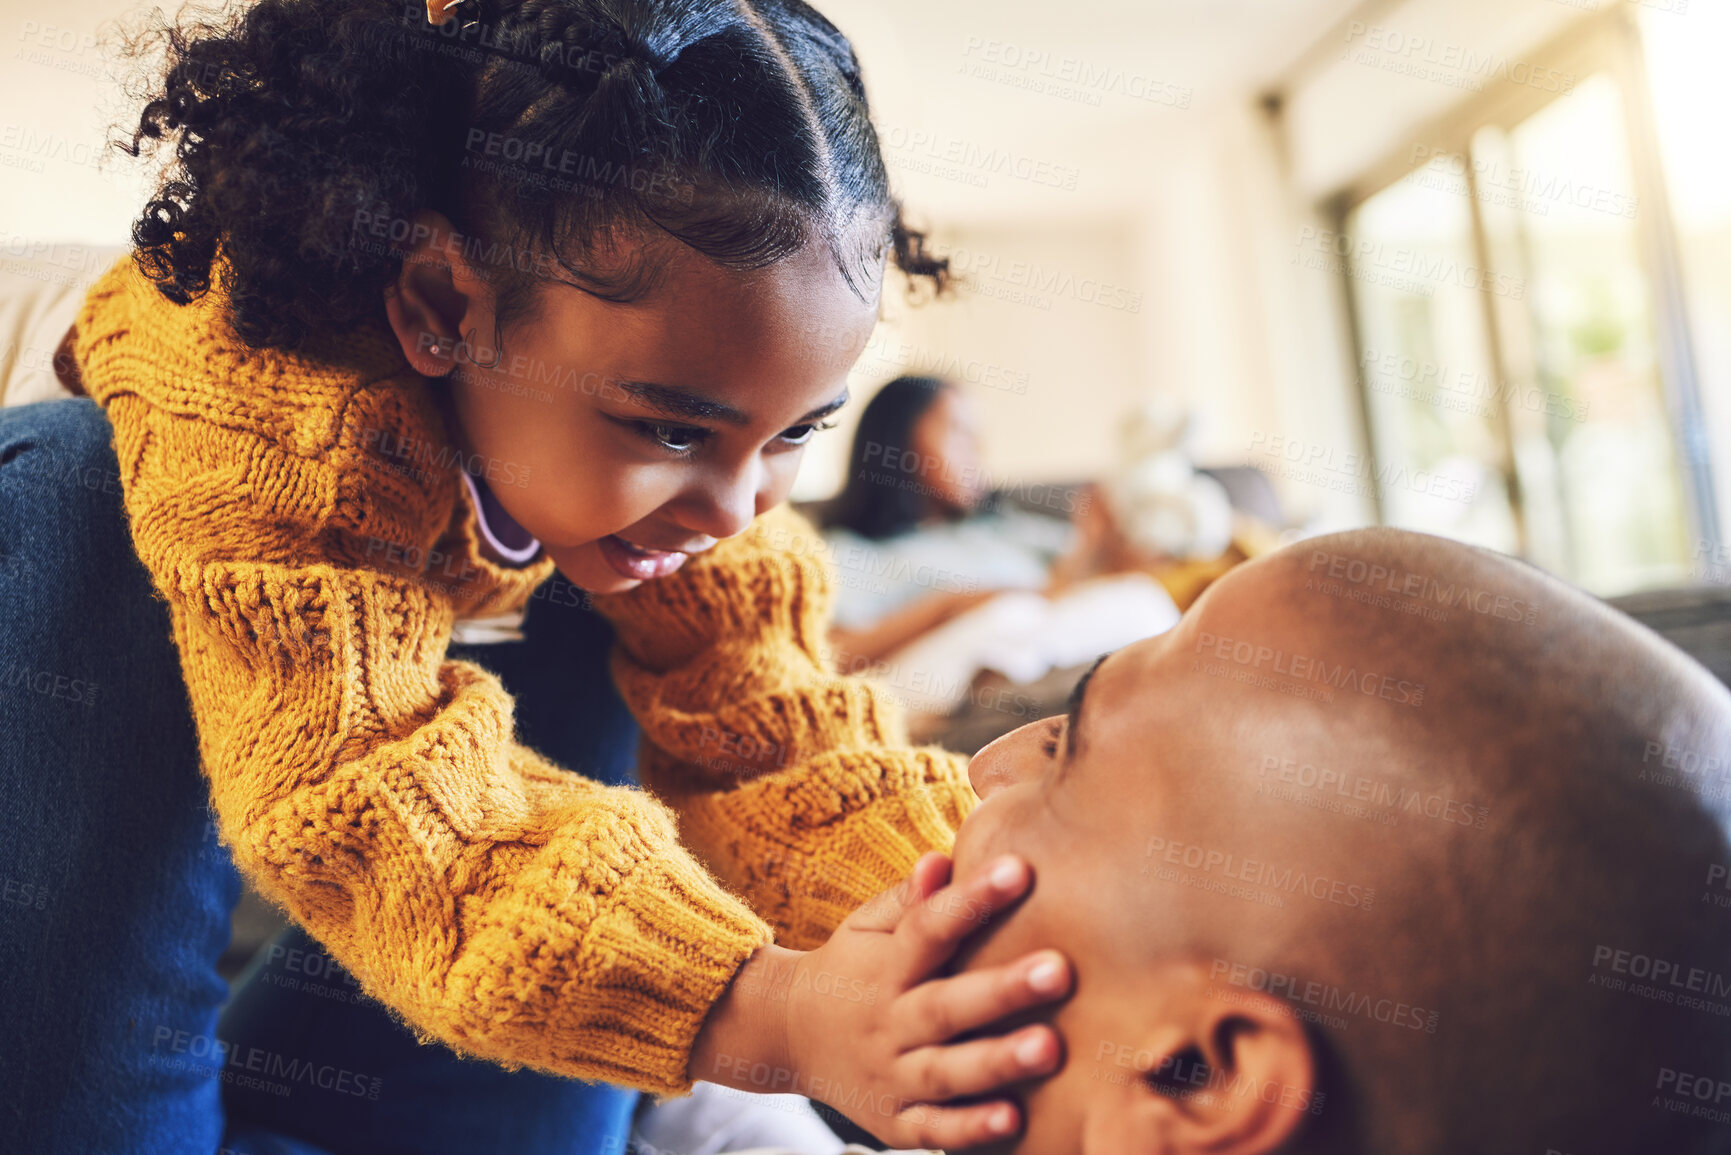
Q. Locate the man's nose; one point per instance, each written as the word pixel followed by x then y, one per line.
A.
pixel 985 775
pixel 1006 761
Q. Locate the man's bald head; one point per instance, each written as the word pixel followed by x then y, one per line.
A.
pixel 1420 799
pixel 1515 915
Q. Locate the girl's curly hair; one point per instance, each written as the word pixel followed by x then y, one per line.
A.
pixel 308 133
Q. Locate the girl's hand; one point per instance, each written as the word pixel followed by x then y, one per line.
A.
pixel 867 1025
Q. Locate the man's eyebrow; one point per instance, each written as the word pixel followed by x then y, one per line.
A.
pixel 691 405
pixel 1073 722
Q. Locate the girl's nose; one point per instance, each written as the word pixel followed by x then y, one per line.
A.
pixel 725 505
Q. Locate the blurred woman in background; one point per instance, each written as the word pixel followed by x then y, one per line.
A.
pixel 961 597
pixel 979 605
pixel 917 533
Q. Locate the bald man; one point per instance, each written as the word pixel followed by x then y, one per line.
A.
pixel 1392 845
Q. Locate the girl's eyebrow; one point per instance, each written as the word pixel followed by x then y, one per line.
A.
pixel 676 401
pixel 823 411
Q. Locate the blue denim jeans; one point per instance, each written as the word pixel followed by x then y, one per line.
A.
pixel 117 1035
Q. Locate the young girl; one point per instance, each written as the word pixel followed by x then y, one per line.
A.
pixel 428 308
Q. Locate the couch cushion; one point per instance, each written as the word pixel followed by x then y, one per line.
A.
pixel 40 292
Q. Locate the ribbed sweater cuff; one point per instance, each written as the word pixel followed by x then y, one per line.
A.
pixel 618 993
pixel 676 952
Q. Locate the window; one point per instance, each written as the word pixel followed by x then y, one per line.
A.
pixel 1691 88
pixel 1522 383
pixel 1425 366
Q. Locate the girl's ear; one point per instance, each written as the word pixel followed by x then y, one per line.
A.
pixel 1234 1078
pixel 437 296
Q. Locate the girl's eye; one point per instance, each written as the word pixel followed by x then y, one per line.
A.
pixel 679 439
pixel 1050 743
pixel 800 434
pixel 686 439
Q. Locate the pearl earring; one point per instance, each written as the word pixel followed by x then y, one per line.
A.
pixel 434 350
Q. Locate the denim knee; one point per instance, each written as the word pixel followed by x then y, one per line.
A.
pixel 66 446
pixel 74 428
pixel 61 508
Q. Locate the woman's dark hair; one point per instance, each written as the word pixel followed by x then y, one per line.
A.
pixel 307 134
pixel 884 494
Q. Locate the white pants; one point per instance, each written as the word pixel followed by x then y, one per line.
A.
pixel 715 1120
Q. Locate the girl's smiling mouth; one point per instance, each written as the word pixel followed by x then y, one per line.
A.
pixel 639 564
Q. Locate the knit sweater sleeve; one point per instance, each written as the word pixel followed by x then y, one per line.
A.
pixel 795 784
pixel 504 906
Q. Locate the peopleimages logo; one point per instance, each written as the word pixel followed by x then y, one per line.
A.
pixel 48 683
pixel 1532 189
pixel 1444 61
pixel 1451 594
pixel 1067 77
pixel 1029 282
pixel 1309 668
pixel 1359 788
pixel 1257 872
pixel 1667 979
pixel 916 147
pixel 182 1050
pixel 38 147
pixel 1398 266
pixel 1324 996
pixel 1179 1077
pixel 568 168
pixel 1325 466
pixel 1462 389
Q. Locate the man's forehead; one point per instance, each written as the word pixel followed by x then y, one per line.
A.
pixel 1250 583
pixel 1118 691
pixel 1158 656
pixel 1153 681
pixel 1147 684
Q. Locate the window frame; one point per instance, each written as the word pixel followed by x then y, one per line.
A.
pixel 1610 43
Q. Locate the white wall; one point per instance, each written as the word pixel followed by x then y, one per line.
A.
pixel 61 100
pixel 1214 314
pixel 1177 200
pixel 1185 291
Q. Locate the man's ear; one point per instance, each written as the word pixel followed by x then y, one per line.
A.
pixel 437 295
pixel 1222 1078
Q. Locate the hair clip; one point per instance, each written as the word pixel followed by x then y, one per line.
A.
pixel 438 11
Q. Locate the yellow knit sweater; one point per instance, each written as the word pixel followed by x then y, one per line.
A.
pixel 509 908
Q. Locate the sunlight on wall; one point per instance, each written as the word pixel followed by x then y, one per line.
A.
pixel 60 84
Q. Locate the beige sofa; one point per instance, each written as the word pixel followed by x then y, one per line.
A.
pixel 41 287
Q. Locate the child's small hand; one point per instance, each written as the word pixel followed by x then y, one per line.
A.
pixel 890 1063
pixel 869 1022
